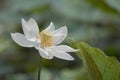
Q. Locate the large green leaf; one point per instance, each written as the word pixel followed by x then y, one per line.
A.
pixel 99 66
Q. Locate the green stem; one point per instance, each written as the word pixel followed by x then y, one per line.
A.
pixel 39 68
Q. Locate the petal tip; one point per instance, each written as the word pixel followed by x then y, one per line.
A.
pixel 72 59
pixel 51 22
pixel 51 27
pixel 65 29
pixel 22 19
pixel 65 26
pixel 31 19
pixel 12 34
pixel 76 50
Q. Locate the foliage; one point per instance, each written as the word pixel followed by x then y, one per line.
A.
pixel 99 66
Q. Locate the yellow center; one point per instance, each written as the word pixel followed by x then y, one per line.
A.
pixel 46 39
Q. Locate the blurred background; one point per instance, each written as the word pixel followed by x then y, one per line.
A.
pixel 97 23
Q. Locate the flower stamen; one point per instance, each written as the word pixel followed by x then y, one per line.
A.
pixel 46 39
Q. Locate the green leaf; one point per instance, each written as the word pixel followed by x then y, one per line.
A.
pixel 99 66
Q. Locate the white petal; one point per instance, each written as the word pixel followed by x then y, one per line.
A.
pixel 44 53
pixel 21 40
pixel 66 48
pixel 30 29
pixel 59 35
pixel 63 55
pixel 33 27
pixel 50 52
pixel 51 27
pixel 26 29
pixel 62 30
pixel 57 39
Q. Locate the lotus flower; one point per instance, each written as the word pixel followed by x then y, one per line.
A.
pixel 46 42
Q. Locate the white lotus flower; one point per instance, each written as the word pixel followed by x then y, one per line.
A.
pixel 46 42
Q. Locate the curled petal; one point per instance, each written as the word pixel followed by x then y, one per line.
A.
pixel 63 55
pixel 51 27
pixel 44 53
pixel 30 29
pixel 33 27
pixel 50 52
pixel 62 30
pixel 59 35
pixel 65 48
pixel 57 39
pixel 21 40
